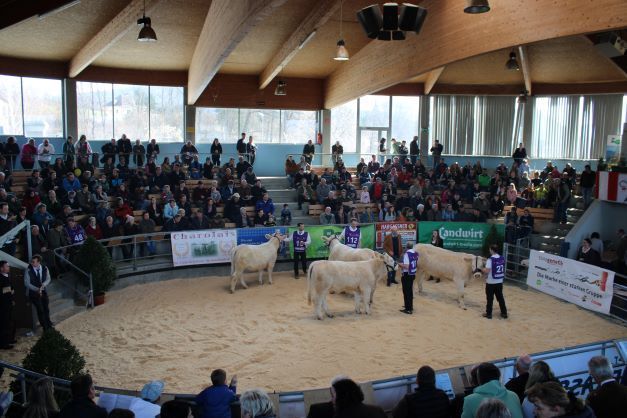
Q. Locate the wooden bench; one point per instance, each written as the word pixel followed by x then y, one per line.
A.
pixel 540 215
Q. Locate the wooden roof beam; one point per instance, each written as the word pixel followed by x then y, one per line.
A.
pixel 432 78
pixel 523 54
pixel 226 24
pixel 318 16
pixel 511 24
pixel 109 35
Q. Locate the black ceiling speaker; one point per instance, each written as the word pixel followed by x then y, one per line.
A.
pixel 411 18
pixel 385 35
pixel 390 16
pixel 371 19
pixel 398 35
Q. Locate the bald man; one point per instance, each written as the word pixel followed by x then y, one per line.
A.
pixel 518 383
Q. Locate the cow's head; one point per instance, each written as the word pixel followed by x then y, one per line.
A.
pixel 276 235
pixel 390 263
pixel 478 263
pixel 328 240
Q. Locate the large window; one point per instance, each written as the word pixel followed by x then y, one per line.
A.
pixel 11 122
pixel 94 103
pixel 344 126
pixel 405 117
pixel 374 111
pixel 265 125
pixel 43 112
pixel 165 123
pixel 107 111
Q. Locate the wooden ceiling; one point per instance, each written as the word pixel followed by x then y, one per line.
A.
pixel 179 26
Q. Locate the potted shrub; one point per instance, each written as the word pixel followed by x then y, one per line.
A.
pixel 95 259
pixel 56 356
pixel 493 237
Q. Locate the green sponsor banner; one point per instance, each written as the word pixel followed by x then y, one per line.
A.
pixel 318 248
pixel 458 235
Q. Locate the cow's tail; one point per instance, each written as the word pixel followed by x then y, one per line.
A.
pixel 309 284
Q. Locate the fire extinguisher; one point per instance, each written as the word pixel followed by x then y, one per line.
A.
pixel 319 138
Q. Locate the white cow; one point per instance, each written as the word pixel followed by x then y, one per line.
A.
pixel 446 264
pixel 259 257
pixel 359 277
pixel 341 252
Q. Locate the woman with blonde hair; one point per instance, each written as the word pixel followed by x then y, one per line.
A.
pixel 552 400
pixel 41 402
pixel 539 372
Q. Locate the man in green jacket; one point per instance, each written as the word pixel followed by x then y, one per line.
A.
pixel 490 387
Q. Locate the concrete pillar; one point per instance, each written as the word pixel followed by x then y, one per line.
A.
pixel 424 129
pixel 326 131
pixel 190 124
pixel 623 144
pixel 69 109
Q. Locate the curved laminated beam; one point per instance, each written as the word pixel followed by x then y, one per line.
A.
pixel 226 24
pixel 109 35
pixel 318 16
pixel 432 78
pixel 523 56
pixel 450 35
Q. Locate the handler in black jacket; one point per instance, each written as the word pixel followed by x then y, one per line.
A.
pixel 427 401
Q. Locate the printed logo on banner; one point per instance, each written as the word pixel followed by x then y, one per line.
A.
pixel 256 236
pixel 318 249
pixel 458 235
pixel 406 230
pixel 203 247
pixel 585 285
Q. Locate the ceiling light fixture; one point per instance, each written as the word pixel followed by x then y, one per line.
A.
pixel 522 97
pixel 393 22
pixel 281 88
pixel 477 6
pixel 512 62
pixel 342 53
pixel 147 33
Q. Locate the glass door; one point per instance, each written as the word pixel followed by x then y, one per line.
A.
pixel 369 141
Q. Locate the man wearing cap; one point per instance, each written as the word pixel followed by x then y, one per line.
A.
pixel 151 392
pixel 351 234
pixel 36 280
pixel 409 266
pixel 301 241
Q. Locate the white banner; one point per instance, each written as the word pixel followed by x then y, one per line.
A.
pixel 203 247
pixel 585 285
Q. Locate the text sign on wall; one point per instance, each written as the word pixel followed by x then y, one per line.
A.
pixel 209 246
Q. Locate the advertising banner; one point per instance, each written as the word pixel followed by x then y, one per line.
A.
pixel 584 285
pixel 407 231
pixel 318 248
pixel 257 235
pixel 209 246
pixel 458 235
pixel 612 151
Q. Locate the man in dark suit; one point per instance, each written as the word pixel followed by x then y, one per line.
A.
pixel 610 397
pixel 36 281
pixel 325 409
pixel 518 383
pixel 82 404
pixel 7 326
pixel 427 401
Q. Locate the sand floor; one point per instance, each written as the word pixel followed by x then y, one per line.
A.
pixel 180 330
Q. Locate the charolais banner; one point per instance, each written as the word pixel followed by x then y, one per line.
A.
pixel 458 235
pixel 406 230
pixel 588 286
pixel 209 246
pixel 318 248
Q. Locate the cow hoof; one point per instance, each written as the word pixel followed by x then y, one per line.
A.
pixel 330 315
pixel 232 291
pixel 319 318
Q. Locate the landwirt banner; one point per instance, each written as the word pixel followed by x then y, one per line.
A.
pixel 209 246
pixel 406 230
pixel 588 286
pixel 318 249
pixel 458 235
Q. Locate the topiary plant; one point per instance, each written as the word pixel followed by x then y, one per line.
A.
pixel 94 258
pixel 54 355
pixel 493 237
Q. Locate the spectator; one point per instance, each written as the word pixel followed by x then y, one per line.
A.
pixel 74 232
pixel 260 218
pixel 414 150
pixel 496 206
pixel 240 146
pixel 139 154
pixel 41 402
pixel 125 148
pixel 427 401
pixel 597 243
pixel 322 190
pixel 82 404
pixel 29 152
pixel 291 168
pixel 563 200
pixel 256 403
pixel 199 221
pixel 610 397
pixel 251 151
pixel 552 400
pixel 587 255
pixel 447 213
pixel 45 151
pixel 71 183
pixel 436 152
pixel 519 154
pixel 216 151
pixel 232 210
pixel 83 149
pixel 327 217
pixel 337 151
pixel 286 215
pixel 518 384
pixel 265 204
pixel 348 399
pixel 309 151
pixel 215 401
pixel 540 372
pixel 305 193
pixel 12 150
pixel 493 408
pixel 587 182
pixel 93 229
pixel 365 195
pixel 170 210
pixel 146 227
pixel 175 409
pixel 490 387
pixel 109 151
pixel 525 223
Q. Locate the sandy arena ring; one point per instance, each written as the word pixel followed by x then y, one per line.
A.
pixel 179 330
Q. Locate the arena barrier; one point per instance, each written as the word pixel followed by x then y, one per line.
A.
pixel 569 365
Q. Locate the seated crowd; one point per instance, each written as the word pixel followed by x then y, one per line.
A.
pixel 533 392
